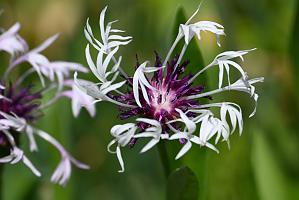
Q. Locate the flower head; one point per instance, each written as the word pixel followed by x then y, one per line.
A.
pixel 163 100
pixel 20 105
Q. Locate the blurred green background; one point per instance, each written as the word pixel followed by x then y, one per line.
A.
pixel 262 164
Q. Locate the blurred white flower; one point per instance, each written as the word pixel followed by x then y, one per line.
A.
pixel 19 105
pixel 80 99
pixel 11 42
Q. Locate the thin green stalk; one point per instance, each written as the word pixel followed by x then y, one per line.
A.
pixel 164 158
pixel 1 180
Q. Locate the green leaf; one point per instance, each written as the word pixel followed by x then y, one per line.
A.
pixel 294 50
pixel 271 182
pixel 182 185
pixel 294 42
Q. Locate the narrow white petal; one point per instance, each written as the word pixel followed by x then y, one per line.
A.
pixel 45 44
pixel 27 162
pixel 149 145
pixel 92 65
pixel 136 89
pixel 180 135
pixel 120 160
pixel 220 74
pixel 184 150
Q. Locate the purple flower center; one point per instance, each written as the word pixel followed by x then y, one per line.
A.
pixel 22 103
pixel 170 92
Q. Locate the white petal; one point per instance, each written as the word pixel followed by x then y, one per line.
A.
pixel 220 74
pixel 120 160
pixel 184 150
pixel 189 123
pixel 136 89
pixel 180 135
pixel 149 121
pixel 27 162
pixel 45 44
pixel 92 65
pixel 149 145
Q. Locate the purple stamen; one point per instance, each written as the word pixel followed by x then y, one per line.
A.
pixel 171 93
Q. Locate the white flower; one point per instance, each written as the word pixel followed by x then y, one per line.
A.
pixel 23 99
pixel 165 94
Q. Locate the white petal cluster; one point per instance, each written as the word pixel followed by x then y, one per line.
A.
pixel 12 122
pixel 123 135
pixel 107 66
pixel 11 42
pixel 188 31
pixel 109 36
pixel 57 72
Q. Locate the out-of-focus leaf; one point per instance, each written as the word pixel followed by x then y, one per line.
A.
pixel 294 42
pixel 270 179
pixel 182 185
pixel 32 192
pixel 13 185
pixel 294 50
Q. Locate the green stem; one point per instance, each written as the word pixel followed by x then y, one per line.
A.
pixel 164 158
pixel 1 180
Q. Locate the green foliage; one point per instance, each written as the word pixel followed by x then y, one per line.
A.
pixel 182 185
pixel 294 44
pixel 271 182
pixel 261 164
